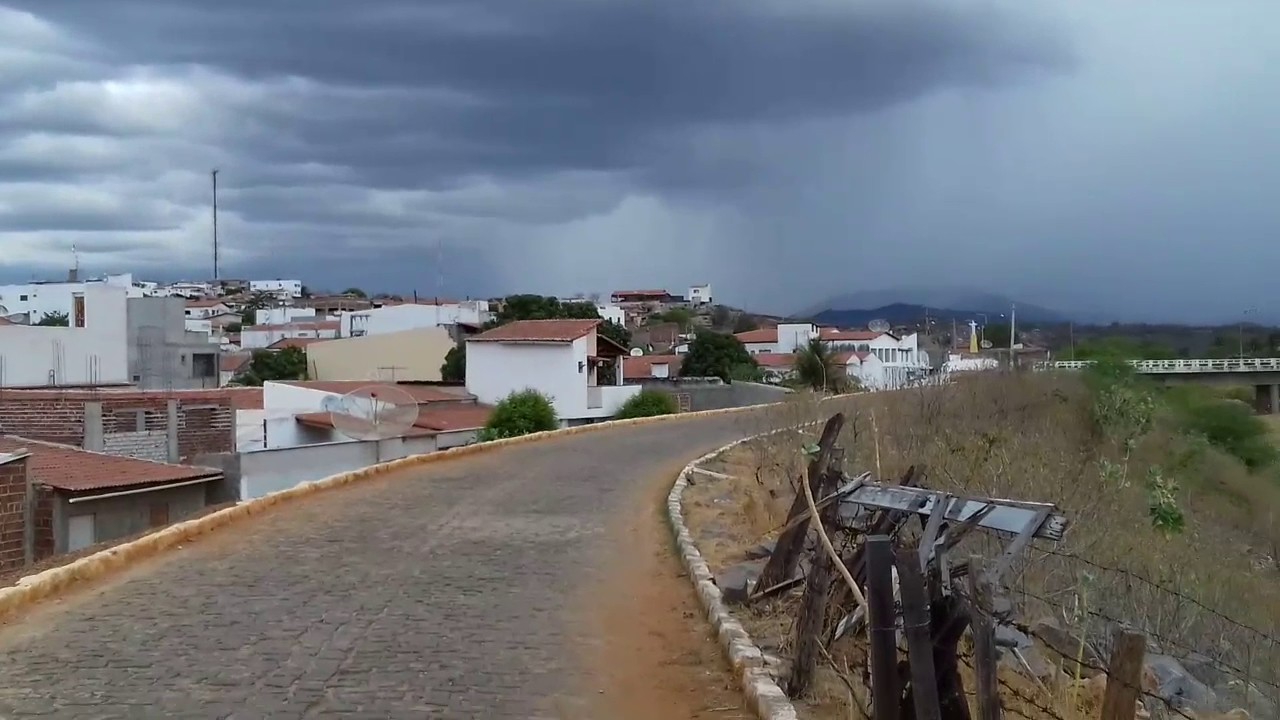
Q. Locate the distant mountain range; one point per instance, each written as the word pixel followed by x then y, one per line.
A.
pixel 902 306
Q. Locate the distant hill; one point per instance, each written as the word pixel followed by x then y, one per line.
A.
pixel 908 305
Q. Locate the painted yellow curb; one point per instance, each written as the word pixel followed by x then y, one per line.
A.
pixel 34 588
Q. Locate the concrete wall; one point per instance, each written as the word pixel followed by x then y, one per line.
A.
pixel 409 355
pixel 96 354
pixel 495 370
pixel 709 395
pixel 126 515
pixel 280 403
pixel 162 350
pixel 267 471
pixel 36 299
pixel 398 318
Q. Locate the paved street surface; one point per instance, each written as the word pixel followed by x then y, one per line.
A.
pixel 439 592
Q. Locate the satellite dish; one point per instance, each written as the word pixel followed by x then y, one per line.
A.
pixel 637 352
pixel 878 325
pixel 375 412
pixel 985 344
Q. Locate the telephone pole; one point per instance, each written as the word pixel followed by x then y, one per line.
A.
pixel 214 175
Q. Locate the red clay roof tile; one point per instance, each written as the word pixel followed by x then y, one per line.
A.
pixel 556 331
pixel 72 469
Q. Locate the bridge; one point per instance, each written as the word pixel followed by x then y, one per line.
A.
pixel 1262 373
pixel 533 581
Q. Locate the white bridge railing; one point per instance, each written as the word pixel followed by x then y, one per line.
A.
pixel 1220 365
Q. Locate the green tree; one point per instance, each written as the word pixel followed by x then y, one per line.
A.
pixel 454 368
pixel 815 366
pixel 648 403
pixel 520 413
pixel 721 317
pixel 355 292
pixel 287 364
pixel 615 332
pixel 54 319
pixel 713 354
pixel 679 316
pixel 1122 348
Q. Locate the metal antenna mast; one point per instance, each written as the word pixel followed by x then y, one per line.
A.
pixel 214 175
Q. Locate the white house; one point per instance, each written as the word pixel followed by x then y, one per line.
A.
pixel 93 350
pixel 192 290
pixel 699 294
pixel 558 358
pixel 282 289
pixel 412 316
pixel 37 299
pixel 899 359
pixel 612 313
pixel 263 336
pixel 284 315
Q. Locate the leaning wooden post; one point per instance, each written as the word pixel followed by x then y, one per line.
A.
pixel 916 625
pixel 813 608
pixel 1124 676
pixel 786 552
pixel 984 642
pixel 885 693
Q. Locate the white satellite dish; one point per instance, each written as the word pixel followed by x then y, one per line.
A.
pixel 376 412
pixel 637 352
pixel 878 325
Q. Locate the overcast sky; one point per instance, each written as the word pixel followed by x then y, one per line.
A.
pixel 1090 155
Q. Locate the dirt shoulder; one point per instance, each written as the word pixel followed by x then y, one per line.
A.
pixel 655 655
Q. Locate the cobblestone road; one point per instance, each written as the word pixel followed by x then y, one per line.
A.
pixel 439 592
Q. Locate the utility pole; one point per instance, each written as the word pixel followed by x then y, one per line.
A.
pixel 1071 333
pixel 214 175
pixel 1013 331
pixel 1244 315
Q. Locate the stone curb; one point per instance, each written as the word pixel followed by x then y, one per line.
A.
pixel 763 694
pixel 34 588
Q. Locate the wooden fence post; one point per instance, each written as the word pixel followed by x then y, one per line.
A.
pixel 813 607
pixel 984 642
pixel 1124 676
pixel 885 693
pixel 786 552
pixel 916 625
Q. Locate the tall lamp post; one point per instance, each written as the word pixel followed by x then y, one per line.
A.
pixel 982 331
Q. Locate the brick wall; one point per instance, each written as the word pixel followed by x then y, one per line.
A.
pixel 13 497
pixel 147 444
pixel 13 493
pixel 206 419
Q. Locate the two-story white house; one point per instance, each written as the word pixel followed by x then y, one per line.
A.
pixel 398 317
pixel 91 350
pixel 281 289
pixel 899 360
pixel 559 358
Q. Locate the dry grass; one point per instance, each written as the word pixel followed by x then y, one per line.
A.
pixel 1032 438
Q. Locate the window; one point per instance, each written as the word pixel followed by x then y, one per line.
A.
pixel 204 365
pixel 22 298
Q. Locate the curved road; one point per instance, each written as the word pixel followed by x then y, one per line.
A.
pixel 445 591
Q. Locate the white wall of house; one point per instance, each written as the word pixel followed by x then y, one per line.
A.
pixel 280 403
pixel 793 336
pixel 398 318
pixel 699 294
pixel 249 430
pixel 261 336
pixel 559 370
pixel 96 354
pixel 36 299
pixel 272 470
pixel 283 289
pixel 409 355
pixel 612 313
pixel 200 325
pixel 283 315
pixel 205 311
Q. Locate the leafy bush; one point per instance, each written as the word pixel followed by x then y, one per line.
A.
pixel 520 413
pixel 1229 425
pixel 648 403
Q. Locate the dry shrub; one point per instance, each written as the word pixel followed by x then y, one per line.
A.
pixel 1032 437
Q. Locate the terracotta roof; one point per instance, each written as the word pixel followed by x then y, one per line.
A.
pixel 206 302
pixel 234 362
pixel 640 367
pixel 245 398
pixel 421 393
pixel 849 335
pixel 74 470
pixel 448 418
pixel 549 331
pixel 6 321
pixel 848 358
pixel 763 335
pixel 775 360
pixel 298 343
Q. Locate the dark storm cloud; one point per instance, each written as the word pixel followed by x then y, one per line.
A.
pixel 552 84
